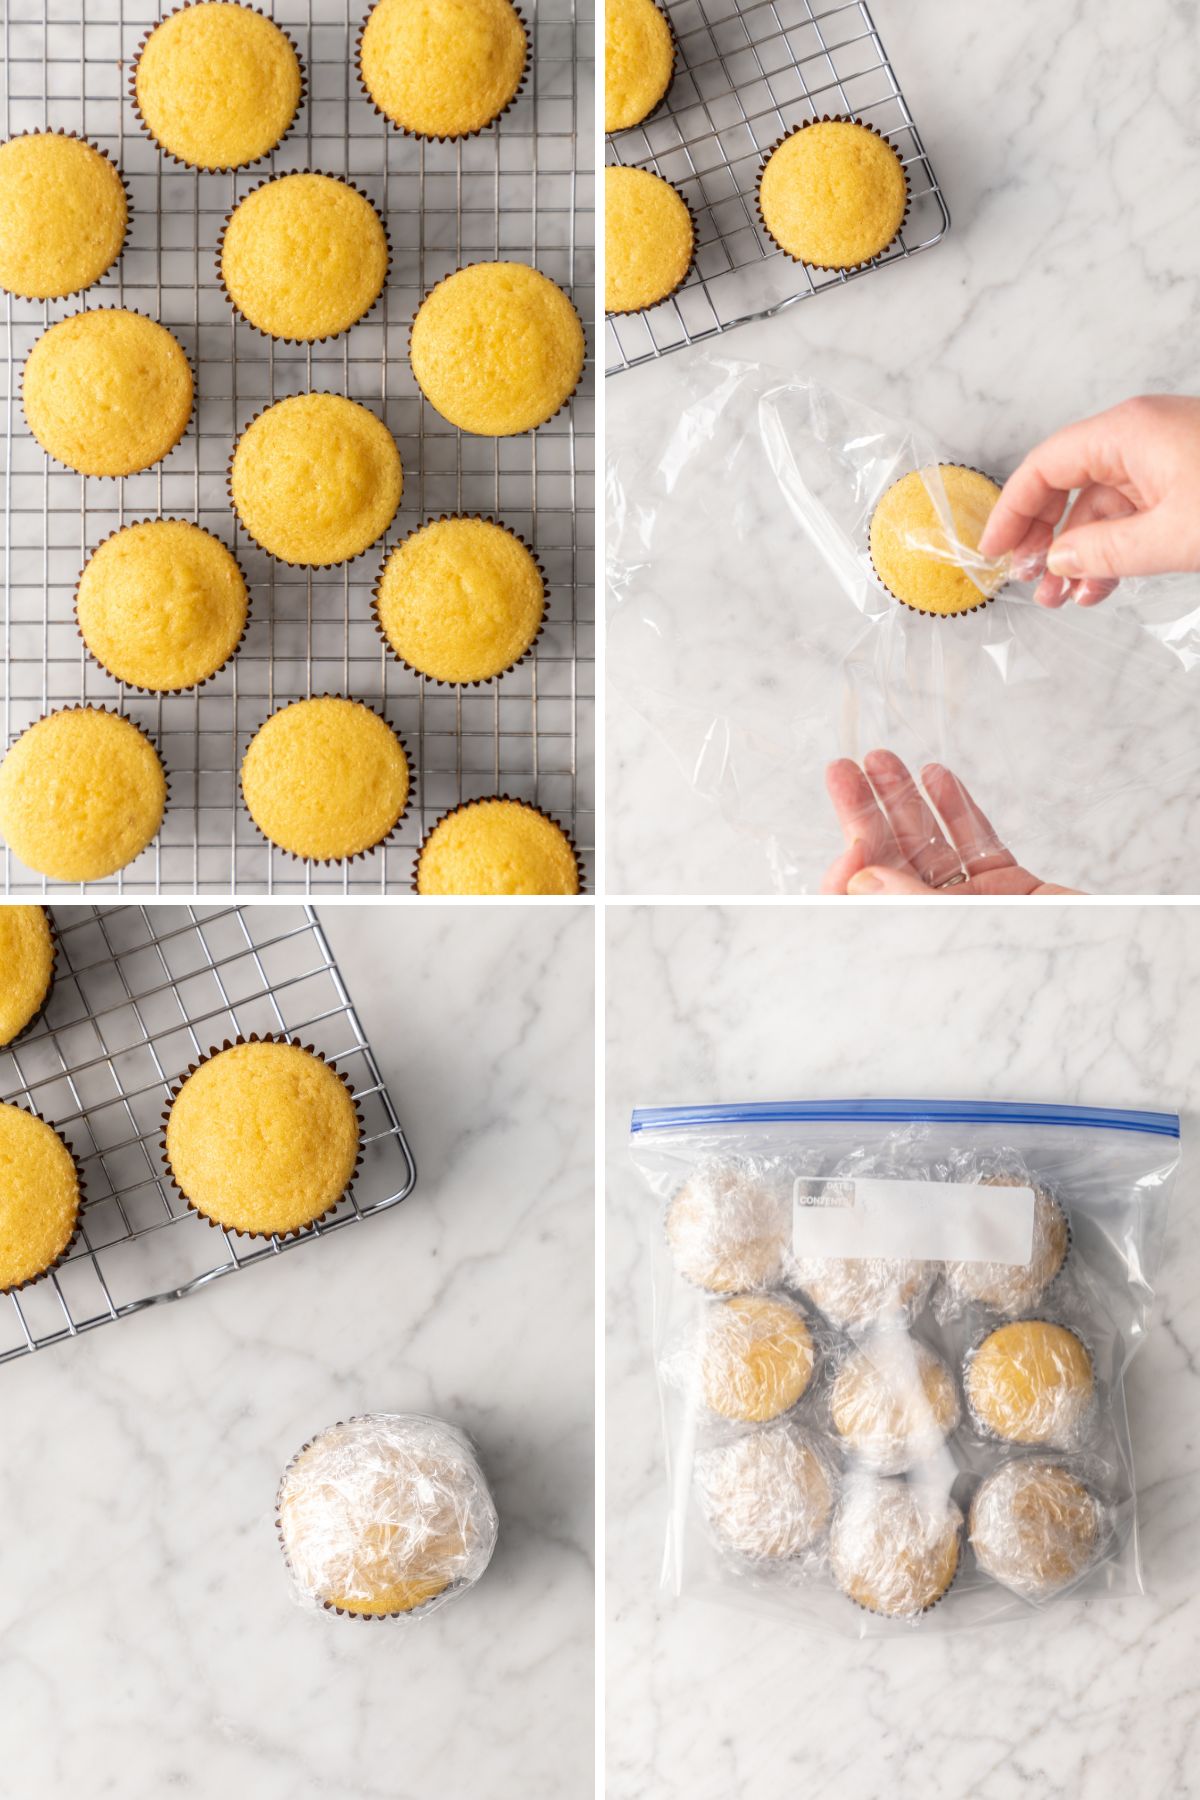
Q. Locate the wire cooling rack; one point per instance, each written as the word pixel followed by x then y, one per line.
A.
pixel 745 74
pixel 522 190
pixel 140 993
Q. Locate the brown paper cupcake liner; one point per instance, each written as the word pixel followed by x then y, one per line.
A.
pixel 672 71
pixel 74 293
pixel 205 168
pixel 624 312
pixel 567 398
pixel 984 1430
pixel 269 1037
pixel 457 136
pixel 465 805
pixel 18 1287
pixel 91 310
pixel 526 654
pixel 329 337
pixel 389 837
pixel 35 1018
pixel 324 393
pixel 833 268
pixel 964 612
pixel 133 686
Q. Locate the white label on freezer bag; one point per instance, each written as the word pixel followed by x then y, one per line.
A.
pixel 927 1221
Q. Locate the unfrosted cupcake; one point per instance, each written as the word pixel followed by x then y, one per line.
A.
pixel 639 58
pixel 833 193
pixel 326 779
pixel 82 793
pixel 26 967
pixel 894 1548
pixel 894 1403
pixel 727 1226
pixel 460 600
pixel 1032 1382
pixel 63 215
pixel 39 1198
pixel 217 85
pixel 766 1496
pixel 1013 1288
pixel 756 1357
pixel 497 846
pixel 916 559
pixel 107 392
pixel 649 240
pixel 442 68
pixel 162 605
pixel 1034 1527
pixel 303 257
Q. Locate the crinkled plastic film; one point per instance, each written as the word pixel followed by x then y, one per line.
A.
pixel 1071 728
pixel 840 1468
pixel 386 1515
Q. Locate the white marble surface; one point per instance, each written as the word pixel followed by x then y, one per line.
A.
pixel 1097 1005
pixel 148 1641
pixel 1070 279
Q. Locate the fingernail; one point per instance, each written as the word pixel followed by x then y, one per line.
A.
pixel 864 883
pixel 1062 560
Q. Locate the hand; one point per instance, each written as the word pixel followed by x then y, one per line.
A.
pixel 1136 512
pixel 897 845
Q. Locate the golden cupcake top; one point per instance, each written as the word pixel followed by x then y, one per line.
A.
pixel 649 239
pixel 107 392
pixel 263 1138
pixel 1034 1527
pixel 1031 1382
pixel 639 57
pixel 39 1197
pixel 497 846
pixel 161 605
pixel 315 479
pixel 217 84
pixel 766 1496
pixel 63 215
pixel 924 538
pixel 82 793
pixel 497 348
pixel 442 68
pixel 26 967
pixel 1011 1288
pixel 858 1293
pixel 460 599
pixel 756 1358
pixel 304 256
pixel 727 1227
pixel 384 1514
pixel 833 194
pixel 894 1549
pixel 326 779
pixel 894 1403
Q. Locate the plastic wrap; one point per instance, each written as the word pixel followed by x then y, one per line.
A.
pixel 386 1515
pixel 963 1458
pixel 1071 728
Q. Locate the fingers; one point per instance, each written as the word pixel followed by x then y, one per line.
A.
pixel 1106 550
pixel 1092 503
pixel 920 838
pixel 859 813
pixel 969 829
pixel 838 874
pixel 1038 491
pixel 887 881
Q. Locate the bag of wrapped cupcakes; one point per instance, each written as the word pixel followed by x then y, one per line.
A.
pixel 892 1339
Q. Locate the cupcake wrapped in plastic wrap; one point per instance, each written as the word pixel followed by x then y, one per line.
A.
pixel 1037 1526
pixel 386 1515
pixel 1006 1288
pixel 727 1226
pixel 862 1294
pixel 767 1497
pixel 746 1360
pixel 895 1547
pixel 893 1403
pixel 1032 1382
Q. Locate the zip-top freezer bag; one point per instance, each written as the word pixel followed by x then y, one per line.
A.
pixel 891 1340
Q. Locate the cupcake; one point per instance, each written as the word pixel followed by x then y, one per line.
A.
pixel 756 1358
pixel 460 600
pixel 1012 1288
pixel 649 240
pixel 107 392
pixel 39 1198
pixel 63 215
pixel 263 1137
pixel 442 68
pixel 766 1496
pixel 217 85
pixel 833 193
pixel 303 257
pixel 914 558
pixel 326 779
pixel 1034 1527
pixel 894 1548
pixel 497 349
pixel 858 1294
pixel 1031 1382
pixel 161 605
pixel 497 846
pixel 726 1227
pixel 385 1515
pixel 26 967
pixel 894 1403
pixel 639 58
pixel 82 793
pixel 316 479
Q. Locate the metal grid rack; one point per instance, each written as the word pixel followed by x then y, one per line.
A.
pixel 745 74
pixel 139 995
pixel 521 190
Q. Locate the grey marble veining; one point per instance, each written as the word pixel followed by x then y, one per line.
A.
pixel 1070 279
pixel 149 1644
pixel 1094 1700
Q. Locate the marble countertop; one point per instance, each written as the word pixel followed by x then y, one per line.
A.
pixel 1094 1699
pixel 149 1644
pixel 1069 279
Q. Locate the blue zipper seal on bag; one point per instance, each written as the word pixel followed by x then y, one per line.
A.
pixel 966 1112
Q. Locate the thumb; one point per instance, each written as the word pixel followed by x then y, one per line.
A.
pixel 1112 548
pixel 876 880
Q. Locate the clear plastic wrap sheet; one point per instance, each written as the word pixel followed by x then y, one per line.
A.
pixel 748 627
pixel 831 1463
